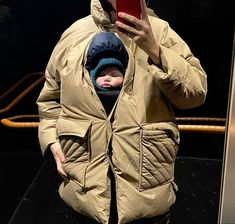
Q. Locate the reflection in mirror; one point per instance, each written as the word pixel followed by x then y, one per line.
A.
pixel 29 30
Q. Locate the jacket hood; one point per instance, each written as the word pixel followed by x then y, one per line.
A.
pixel 100 16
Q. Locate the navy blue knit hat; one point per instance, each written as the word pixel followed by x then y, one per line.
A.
pixel 105 50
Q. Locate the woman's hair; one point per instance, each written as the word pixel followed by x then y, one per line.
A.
pixel 106 5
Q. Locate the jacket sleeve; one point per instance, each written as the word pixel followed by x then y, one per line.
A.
pixel 49 104
pixel 180 76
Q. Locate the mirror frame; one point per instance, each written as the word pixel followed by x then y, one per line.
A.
pixel 227 194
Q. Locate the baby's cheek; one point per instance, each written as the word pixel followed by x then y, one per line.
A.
pixel 120 80
pixel 117 81
pixel 99 80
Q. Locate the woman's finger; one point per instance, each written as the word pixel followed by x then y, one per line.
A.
pixel 59 159
pixel 135 24
pixel 144 9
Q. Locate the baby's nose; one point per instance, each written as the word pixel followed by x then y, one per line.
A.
pixel 107 78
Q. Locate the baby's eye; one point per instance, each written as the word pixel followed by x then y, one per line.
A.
pixel 116 74
pixel 103 73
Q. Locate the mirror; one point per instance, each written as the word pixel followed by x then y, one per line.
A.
pixel 29 30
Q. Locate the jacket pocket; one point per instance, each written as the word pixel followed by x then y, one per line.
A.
pixel 158 148
pixel 73 137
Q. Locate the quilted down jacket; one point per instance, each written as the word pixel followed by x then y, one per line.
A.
pixel 138 140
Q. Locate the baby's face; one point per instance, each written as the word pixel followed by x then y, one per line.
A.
pixel 110 78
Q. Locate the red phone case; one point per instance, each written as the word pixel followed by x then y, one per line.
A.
pixel 131 7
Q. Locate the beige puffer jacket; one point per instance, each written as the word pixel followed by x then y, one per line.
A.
pixel 140 130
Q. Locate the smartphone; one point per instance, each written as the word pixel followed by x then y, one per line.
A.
pixel 132 7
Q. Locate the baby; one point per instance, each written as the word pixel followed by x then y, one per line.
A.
pixel 107 60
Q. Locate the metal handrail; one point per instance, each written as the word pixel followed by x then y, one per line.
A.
pixel 22 94
pixel 186 124
pixel 12 122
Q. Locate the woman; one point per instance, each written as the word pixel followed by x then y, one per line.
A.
pixel 127 155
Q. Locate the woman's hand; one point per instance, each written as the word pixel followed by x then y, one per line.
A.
pixel 59 159
pixel 141 32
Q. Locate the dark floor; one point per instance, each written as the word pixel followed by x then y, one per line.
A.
pixel 17 169
pixel 29 182
pixel 197 199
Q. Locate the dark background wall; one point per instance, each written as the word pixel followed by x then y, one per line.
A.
pixel 206 25
pixel 30 29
